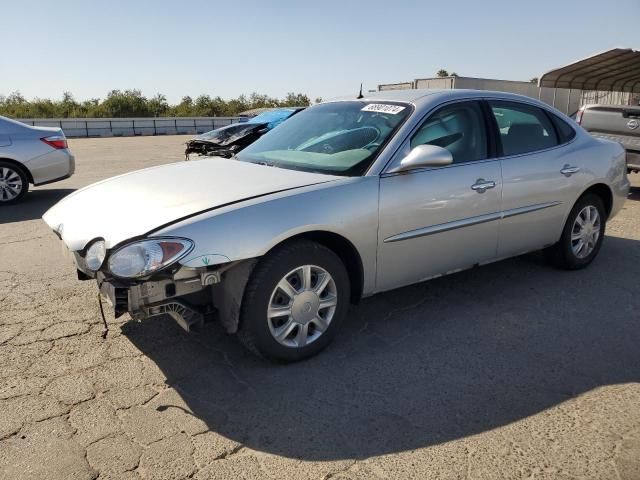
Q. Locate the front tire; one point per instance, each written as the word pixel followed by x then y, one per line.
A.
pixel 14 183
pixel 295 301
pixel 582 235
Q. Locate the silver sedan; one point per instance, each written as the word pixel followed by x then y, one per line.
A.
pixel 36 155
pixel 346 199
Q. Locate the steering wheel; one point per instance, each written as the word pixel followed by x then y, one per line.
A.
pixel 374 143
pixel 372 146
pixel 386 120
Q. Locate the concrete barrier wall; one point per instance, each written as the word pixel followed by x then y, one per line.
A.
pixel 129 127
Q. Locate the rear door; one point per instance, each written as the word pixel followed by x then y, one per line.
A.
pixel 539 173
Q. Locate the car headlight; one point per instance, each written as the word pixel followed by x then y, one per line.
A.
pixel 94 258
pixel 139 259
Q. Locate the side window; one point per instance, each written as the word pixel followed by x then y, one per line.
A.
pixel 523 128
pixel 459 128
pixel 563 128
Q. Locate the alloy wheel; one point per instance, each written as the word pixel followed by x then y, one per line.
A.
pixel 10 184
pixel 585 232
pixel 302 306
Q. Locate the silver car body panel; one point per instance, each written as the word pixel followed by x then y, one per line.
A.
pixel 21 143
pixel 145 200
pixel 405 227
pixel 345 207
pixel 427 217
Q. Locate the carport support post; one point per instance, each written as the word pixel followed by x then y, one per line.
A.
pixel 555 91
pixel 568 101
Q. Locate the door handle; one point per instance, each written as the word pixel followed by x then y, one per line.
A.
pixel 483 185
pixel 568 170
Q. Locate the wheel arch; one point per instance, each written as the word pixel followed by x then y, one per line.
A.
pixel 603 191
pixel 19 165
pixel 230 294
pixel 343 248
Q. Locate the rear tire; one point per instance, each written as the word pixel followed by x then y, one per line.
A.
pixel 14 183
pixel 582 235
pixel 295 301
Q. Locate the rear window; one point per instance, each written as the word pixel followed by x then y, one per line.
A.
pixel 565 131
pixel 523 128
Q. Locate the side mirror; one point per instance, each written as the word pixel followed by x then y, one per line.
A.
pixel 423 156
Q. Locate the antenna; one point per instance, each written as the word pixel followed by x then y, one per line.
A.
pixel 360 95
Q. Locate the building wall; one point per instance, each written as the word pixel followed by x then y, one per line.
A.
pixel 567 101
pixel 607 98
pixel 445 82
pixel 396 86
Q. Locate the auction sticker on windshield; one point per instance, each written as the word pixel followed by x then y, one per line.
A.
pixel 383 108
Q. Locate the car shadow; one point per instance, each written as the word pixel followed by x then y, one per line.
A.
pixel 634 193
pixel 420 365
pixel 33 205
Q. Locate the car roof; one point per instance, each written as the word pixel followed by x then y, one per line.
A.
pixel 408 95
pixel 11 125
pixel 423 97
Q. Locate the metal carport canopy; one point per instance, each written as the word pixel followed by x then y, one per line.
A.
pixel 616 70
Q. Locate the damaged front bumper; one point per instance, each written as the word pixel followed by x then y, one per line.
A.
pixel 186 294
pixel 158 297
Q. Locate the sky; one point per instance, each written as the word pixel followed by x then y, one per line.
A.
pixel 323 48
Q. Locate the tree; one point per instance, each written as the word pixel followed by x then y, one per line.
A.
pixel 296 100
pixel 158 105
pixel 183 109
pixel 442 73
pixel 453 74
pixel 68 107
pixel 131 103
pixel 318 100
pixel 534 80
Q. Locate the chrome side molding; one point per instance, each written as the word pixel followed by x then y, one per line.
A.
pixel 489 217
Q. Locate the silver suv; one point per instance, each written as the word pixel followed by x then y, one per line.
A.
pixel 36 155
pixel 620 123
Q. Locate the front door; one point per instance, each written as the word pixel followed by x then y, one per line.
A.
pixel 437 220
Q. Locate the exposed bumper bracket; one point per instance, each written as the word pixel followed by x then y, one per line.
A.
pixel 184 315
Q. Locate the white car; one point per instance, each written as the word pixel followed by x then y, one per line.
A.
pixel 31 155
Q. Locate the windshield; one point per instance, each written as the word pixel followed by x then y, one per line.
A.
pixel 273 117
pixel 340 138
pixel 231 133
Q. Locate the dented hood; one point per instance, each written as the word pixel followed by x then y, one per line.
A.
pixel 136 203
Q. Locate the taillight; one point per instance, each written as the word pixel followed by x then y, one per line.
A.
pixel 56 141
pixel 579 114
